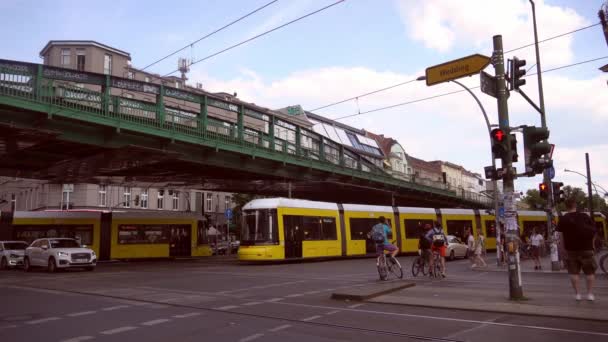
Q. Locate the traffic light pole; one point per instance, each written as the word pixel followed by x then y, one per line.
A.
pixel 512 229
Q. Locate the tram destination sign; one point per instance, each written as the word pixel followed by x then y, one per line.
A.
pixel 457 68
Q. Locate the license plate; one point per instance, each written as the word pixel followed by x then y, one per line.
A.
pixel 81 260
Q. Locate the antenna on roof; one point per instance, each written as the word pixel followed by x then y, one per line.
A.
pixel 183 65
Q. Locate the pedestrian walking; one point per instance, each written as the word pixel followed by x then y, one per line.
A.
pixel 480 250
pixel 471 247
pixel 536 240
pixel 578 231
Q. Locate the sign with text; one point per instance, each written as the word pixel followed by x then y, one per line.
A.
pixel 488 83
pixel 458 68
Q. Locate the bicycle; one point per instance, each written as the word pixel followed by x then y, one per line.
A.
pixel 420 265
pixel 604 263
pixel 435 272
pixel 385 266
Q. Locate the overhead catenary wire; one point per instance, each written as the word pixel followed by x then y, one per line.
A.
pixel 457 91
pixel 210 34
pixel 410 81
pixel 260 35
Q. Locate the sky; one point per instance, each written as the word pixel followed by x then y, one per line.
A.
pixel 358 46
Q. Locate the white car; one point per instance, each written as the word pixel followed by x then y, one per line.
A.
pixel 11 253
pixel 456 248
pixel 58 253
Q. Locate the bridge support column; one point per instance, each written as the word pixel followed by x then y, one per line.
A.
pixel 271 132
pixel 160 106
pixel 321 149
pixel 239 122
pixel 341 155
pixel 202 118
pixel 38 82
pixel 106 96
pixel 298 141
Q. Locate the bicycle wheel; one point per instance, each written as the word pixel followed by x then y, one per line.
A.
pixel 382 271
pixel 604 263
pixel 395 268
pixel 417 266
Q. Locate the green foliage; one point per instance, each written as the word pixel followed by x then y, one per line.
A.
pixel 535 202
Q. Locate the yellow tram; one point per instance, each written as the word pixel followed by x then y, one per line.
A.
pixel 280 228
pixel 114 235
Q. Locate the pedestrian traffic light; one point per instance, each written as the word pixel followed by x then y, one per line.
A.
pixel 534 149
pixel 514 155
pixel 517 73
pixel 543 189
pixel 558 193
pixel 499 143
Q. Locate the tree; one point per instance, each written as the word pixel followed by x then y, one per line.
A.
pixel 533 200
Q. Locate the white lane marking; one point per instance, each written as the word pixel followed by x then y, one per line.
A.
pixel 42 320
pixel 83 313
pixel 273 300
pixel 534 327
pixel 192 314
pixel 280 327
pixel 332 312
pixel 355 306
pixel 155 322
pixel 227 307
pixel 79 339
pixel 307 319
pixel 8 327
pixel 117 330
pixel 112 308
pixel 251 338
pixel 294 295
pixel 263 287
pixel 252 303
pixel 312 292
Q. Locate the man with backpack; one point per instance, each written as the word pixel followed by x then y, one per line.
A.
pixel 439 244
pixel 379 235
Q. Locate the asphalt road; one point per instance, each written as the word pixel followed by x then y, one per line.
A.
pixel 215 300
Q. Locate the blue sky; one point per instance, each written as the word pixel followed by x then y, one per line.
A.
pixel 355 47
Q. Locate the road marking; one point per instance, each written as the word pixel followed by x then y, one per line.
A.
pixel 355 306
pixel 263 287
pixel 112 308
pixel 192 314
pixel 533 327
pixel 83 313
pixel 79 339
pixel 8 327
pixel 227 307
pixel 273 300
pixel 312 292
pixel 307 319
pixel 252 303
pixel 117 330
pixel 251 338
pixel 280 327
pixel 155 322
pixel 332 312
pixel 294 295
pixel 43 320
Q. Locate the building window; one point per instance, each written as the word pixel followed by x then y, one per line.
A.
pixel 80 59
pixel 209 202
pixel 126 198
pixel 65 196
pixel 65 56
pixel 176 84
pixel 102 196
pixel 107 64
pixel 147 79
pixel 13 202
pixel 227 202
pixel 131 75
pixel 161 199
pixel 144 199
pixel 175 200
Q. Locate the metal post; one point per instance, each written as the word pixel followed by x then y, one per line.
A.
pixel 589 186
pixel 512 230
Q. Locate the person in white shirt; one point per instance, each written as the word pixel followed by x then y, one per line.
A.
pixel 536 241
pixel 480 249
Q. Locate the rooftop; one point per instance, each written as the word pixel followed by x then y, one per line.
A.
pixel 80 43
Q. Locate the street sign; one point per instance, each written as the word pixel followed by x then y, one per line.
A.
pixel 501 212
pixel 228 213
pixel 457 68
pixel 488 83
pixel 551 172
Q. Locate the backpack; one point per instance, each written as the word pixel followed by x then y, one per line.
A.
pixel 378 233
pixel 438 240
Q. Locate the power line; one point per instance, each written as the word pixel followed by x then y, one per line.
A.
pixel 457 91
pixel 406 82
pixel 260 35
pixel 210 34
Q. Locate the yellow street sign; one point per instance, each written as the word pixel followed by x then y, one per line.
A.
pixel 457 68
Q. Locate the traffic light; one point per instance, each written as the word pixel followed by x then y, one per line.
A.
pixel 514 155
pixel 535 148
pixel 558 193
pixel 499 143
pixel 517 73
pixel 543 189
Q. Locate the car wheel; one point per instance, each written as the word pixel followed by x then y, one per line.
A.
pixel 26 264
pixel 52 266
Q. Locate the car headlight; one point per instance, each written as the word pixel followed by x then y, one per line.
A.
pixel 93 254
pixel 63 254
pixel 14 256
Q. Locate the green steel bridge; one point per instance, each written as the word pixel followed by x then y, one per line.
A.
pixel 67 126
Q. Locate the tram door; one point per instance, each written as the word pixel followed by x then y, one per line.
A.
pixel 179 241
pixel 293 236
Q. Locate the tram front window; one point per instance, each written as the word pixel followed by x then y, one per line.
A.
pixel 259 227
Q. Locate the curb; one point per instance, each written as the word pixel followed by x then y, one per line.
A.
pixel 371 291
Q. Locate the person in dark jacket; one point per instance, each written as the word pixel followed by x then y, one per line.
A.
pixel 578 231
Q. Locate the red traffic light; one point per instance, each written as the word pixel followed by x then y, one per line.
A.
pixel 498 134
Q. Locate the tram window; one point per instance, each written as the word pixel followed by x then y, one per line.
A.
pixel 201 236
pixel 143 234
pixel 259 226
pixel 359 227
pixel 459 227
pixel 29 233
pixel 413 228
pixel 314 227
pixel 490 228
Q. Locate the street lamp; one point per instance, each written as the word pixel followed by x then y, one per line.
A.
pixel 494 182
pixel 594 184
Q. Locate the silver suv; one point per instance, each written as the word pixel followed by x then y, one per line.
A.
pixel 58 253
pixel 11 253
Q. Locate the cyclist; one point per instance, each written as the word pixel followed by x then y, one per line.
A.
pixel 379 234
pixel 438 242
pixel 425 245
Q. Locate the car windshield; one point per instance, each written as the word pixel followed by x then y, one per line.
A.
pixel 64 243
pixel 15 245
pixel 259 226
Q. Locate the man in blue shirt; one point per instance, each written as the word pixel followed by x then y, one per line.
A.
pixel 382 243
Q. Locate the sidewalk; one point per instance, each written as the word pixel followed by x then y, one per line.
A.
pixel 526 265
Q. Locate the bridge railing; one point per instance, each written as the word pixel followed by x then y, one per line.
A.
pixel 88 96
